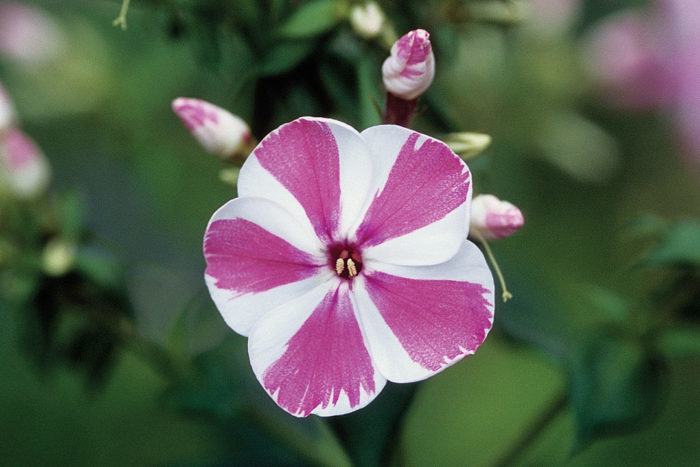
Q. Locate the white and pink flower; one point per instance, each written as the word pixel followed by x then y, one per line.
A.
pixel 648 58
pixel 410 68
pixel 493 218
pixel 345 261
pixel 216 129
pixel 28 34
pixel 7 110
pixel 23 165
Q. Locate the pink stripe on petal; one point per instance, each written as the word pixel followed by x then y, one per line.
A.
pixel 424 185
pixel 326 356
pixel 303 157
pixel 245 258
pixel 435 321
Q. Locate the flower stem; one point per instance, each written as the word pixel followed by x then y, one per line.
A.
pixel 399 111
pixel 121 19
pixel 551 412
pixel 506 295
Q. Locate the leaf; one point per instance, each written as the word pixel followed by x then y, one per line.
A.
pixel 679 342
pixel 680 246
pixel 312 19
pixel 285 56
pixel 71 211
pixel 617 386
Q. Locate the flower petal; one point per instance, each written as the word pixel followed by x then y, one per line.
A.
pixel 420 320
pixel 421 192
pixel 310 356
pixel 318 169
pixel 258 257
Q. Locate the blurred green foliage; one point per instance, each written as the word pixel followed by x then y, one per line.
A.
pixel 601 337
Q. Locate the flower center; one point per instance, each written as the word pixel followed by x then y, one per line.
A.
pixel 346 260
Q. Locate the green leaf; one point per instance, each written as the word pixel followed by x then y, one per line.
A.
pixel 680 246
pixel 679 342
pixel 369 92
pixel 284 56
pixel 617 386
pixel 312 19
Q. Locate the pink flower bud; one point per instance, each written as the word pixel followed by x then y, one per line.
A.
pixel 493 218
pixel 216 129
pixel 410 68
pixel 23 165
pixel 7 110
pixel 28 34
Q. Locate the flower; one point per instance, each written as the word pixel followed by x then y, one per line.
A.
pixel 410 68
pixel 649 59
pixel 22 164
pixel 345 261
pixel 7 110
pixel 217 130
pixel 493 218
pixel 28 34
pixel 367 19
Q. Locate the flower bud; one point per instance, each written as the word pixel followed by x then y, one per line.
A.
pixel 410 68
pixel 467 145
pixel 367 20
pixel 28 35
pixel 58 257
pixel 23 164
pixel 493 218
pixel 216 129
pixel 7 110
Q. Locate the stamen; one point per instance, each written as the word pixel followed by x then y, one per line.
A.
pixel 352 270
pixel 340 266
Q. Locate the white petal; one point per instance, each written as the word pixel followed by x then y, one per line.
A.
pixel 309 354
pixel 318 169
pixel 418 211
pixel 258 257
pixel 420 320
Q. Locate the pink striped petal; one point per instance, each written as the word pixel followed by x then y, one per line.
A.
pixel 258 257
pixel 310 356
pixel 421 192
pixel 420 320
pixel 318 169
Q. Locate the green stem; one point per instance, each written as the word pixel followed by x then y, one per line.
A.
pixel 121 19
pixel 551 412
pixel 506 295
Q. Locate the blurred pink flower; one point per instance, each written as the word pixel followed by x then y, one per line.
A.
pixel 345 261
pixel 493 218
pixel 23 165
pixel 28 34
pixel 217 130
pixel 650 59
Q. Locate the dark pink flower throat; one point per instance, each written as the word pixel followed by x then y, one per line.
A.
pixel 345 260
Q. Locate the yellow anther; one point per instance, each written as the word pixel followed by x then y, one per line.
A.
pixel 340 266
pixel 352 270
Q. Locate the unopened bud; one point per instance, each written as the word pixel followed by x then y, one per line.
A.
pixel 217 130
pixel 367 20
pixel 23 164
pixel 7 110
pixel 410 68
pixel 493 219
pixel 28 34
pixel 466 144
pixel 58 257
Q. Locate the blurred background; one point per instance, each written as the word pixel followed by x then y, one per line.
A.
pixel 111 350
